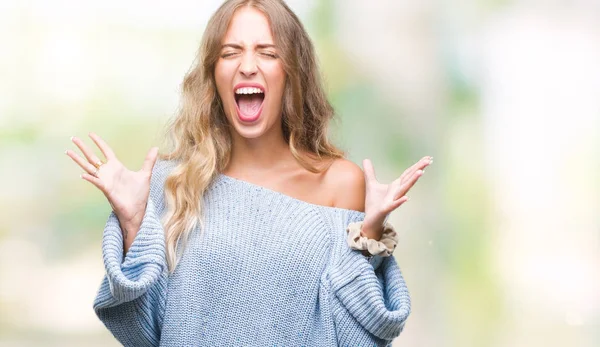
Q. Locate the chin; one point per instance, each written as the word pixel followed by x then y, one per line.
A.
pixel 249 133
pixel 248 130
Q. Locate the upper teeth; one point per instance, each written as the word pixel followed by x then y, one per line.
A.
pixel 248 90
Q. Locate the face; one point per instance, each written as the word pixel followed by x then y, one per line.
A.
pixel 249 75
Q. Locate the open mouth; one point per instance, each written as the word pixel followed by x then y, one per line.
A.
pixel 249 101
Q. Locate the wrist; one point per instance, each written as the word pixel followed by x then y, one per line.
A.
pixel 373 228
pixel 131 222
pixel 384 246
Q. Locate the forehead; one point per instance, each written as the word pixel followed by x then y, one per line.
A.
pixel 248 26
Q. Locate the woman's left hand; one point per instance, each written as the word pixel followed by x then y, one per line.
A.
pixel 381 199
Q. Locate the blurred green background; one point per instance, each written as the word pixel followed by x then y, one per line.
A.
pixel 500 242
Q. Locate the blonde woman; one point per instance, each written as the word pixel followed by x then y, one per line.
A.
pixel 253 230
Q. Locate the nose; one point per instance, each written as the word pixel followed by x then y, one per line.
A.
pixel 248 65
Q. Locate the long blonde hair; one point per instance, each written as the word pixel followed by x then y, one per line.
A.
pixel 200 133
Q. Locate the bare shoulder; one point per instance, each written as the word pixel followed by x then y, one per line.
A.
pixel 346 182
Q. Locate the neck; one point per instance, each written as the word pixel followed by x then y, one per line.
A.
pixel 255 156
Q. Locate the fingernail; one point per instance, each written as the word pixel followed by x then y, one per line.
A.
pixel 66 151
pixel 72 138
pixel 81 176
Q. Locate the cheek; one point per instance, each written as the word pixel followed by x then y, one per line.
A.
pixel 276 79
pixel 222 78
pixel 279 74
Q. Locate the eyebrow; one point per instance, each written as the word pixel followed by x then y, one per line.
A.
pixel 238 46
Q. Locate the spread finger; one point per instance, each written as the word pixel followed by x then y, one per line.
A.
pixel 104 147
pixel 84 164
pixel 88 153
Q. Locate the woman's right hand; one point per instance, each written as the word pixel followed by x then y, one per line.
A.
pixel 127 191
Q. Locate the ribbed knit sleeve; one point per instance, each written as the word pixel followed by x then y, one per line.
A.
pixel 370 301
pixel 131 298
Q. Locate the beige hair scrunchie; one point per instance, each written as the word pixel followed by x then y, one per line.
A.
pixel 384 247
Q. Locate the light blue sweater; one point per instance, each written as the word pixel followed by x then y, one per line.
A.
pixel 268 270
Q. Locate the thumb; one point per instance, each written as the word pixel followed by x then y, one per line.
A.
pixel 369 170
pixel 150 159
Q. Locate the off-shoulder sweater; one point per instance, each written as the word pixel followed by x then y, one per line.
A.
pixel 266 269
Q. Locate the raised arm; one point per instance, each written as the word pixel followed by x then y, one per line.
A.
pixel 131 298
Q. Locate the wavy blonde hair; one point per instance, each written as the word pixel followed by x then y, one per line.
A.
pixel 200 132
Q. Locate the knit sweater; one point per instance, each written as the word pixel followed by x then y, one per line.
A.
pixel 266 270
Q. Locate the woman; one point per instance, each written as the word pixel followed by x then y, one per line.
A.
pixel 238 236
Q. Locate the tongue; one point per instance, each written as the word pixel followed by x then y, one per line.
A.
pixel 250 103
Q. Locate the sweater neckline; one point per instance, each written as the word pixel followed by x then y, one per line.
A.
pixel 233 180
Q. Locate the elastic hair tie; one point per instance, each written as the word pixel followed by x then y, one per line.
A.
pixel 384 247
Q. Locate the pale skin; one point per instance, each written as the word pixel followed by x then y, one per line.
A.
pixel 260 154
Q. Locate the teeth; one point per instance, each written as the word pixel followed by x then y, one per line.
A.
pixel 248 90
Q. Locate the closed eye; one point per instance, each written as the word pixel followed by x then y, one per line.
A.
pixel 269 54
pixel 229 54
